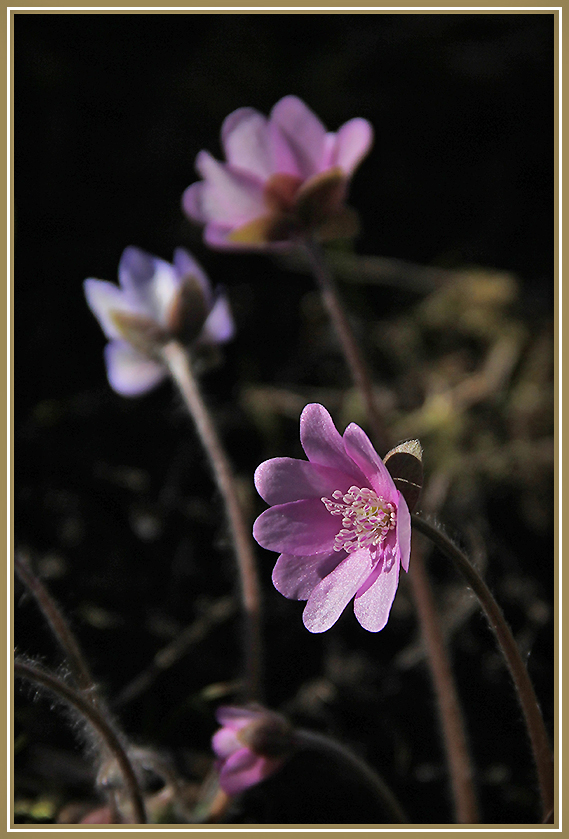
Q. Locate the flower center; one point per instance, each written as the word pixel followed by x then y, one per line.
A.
pixel 366 518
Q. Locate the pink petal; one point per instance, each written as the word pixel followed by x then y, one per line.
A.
pixel 323 444
pixel 300 527
pixel 284 479
pixel 329 150
pixel 240 771
pixel 129 372
pixel 193 202
pixel 217 236
pixel 374 600
pixel 295 577
pixel 224 742
pixel 102 815
pixel 136 269
pixel 245 769
pixel 353 141
pixel 103 298
pixel 304 133
pixel 163 289
pixel 219 326
pixel 283 159
pixel 332 595
pixel 226 196
pixel 245 139
pixel 233 716
pixel 404 532
pixel 358 446
pixel 151 281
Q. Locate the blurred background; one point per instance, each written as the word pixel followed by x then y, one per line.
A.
pixel 450 287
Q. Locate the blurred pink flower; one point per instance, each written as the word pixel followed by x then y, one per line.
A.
pixel 284 176
pixel 251 745
pixel 102 815
pixel 155 302
pixel 342 527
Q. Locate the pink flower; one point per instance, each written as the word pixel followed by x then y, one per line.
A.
pixel 155 302
pixel 284 176
pixel 251 745
pixel 340 524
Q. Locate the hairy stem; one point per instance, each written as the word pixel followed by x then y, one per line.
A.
pixel 180 369
pixel 452 723
pixel 526 695
pixel 58 625
pixel 351 350
pixel 77 700
pixel 455 738
pixel 305 739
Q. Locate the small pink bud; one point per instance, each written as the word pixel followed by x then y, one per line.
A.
pixel 252 744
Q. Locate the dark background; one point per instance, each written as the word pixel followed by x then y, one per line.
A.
pixel 113 497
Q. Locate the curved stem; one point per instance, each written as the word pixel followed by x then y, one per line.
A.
pixel 57 623
pixel 51 682
pixel 534 721
pixel 179 366
pixel 449 708
pixel 450 714
pixel 305 739
pixel 352 352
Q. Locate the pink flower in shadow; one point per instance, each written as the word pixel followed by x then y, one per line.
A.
pixel 342 528
pixel 252 744
pixel 155 302
pixel 284 176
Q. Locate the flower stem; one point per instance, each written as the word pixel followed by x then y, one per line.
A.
pixel 58 625
pixel 526 695
pixel 176 357
pixel 352 352
pixel 449 709
pixel 77 700
pixel 452 723
pixel 305 739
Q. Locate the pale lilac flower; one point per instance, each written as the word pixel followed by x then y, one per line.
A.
pixel 251 745
pixel 155 302
pixel 284 176
pixel 342 527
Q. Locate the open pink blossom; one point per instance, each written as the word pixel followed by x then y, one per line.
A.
pixel 251 745
pixel 155 302
pixel 284 176
pixel 342 527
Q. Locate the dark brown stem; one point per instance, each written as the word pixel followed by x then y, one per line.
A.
pixel 57 623
pixel 526 695
pixel 305 739
pixel 451 720
pixel 180 369
pixel 352 352
pixel 37 675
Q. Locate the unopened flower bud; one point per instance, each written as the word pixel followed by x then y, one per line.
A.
pixel 252 744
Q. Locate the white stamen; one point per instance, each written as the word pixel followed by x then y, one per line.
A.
pixel 367 518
